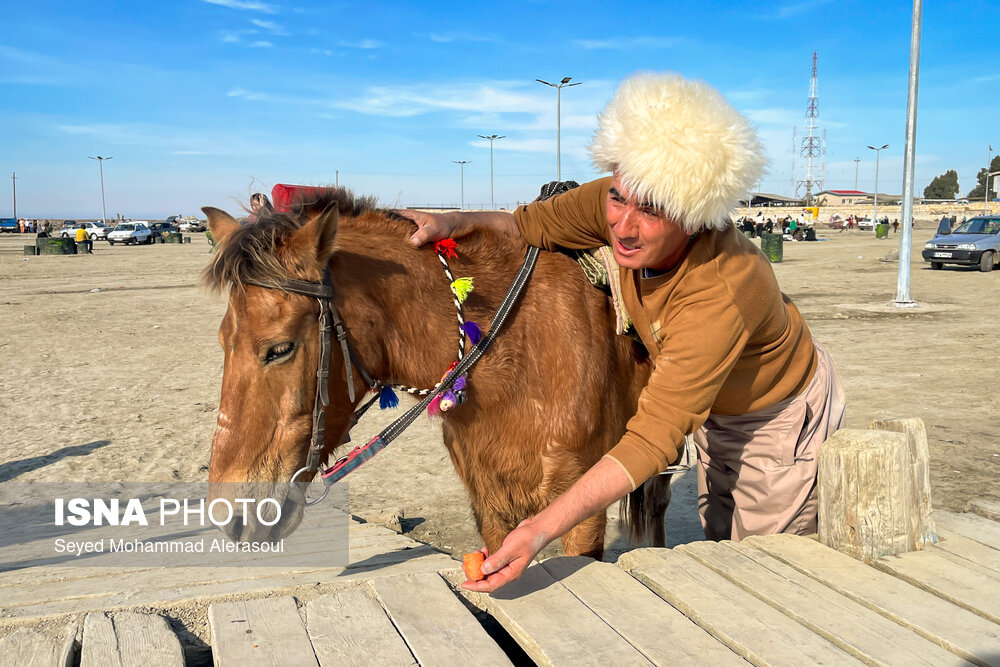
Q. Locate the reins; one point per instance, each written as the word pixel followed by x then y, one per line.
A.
pixel 330 322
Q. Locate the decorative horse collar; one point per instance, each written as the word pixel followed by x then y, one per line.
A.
pixel 444 395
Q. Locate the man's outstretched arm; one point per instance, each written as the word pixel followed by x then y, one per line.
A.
pixel 436 226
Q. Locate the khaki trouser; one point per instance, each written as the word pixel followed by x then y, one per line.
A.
pixel 757 472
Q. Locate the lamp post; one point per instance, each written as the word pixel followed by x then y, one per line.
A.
pixel 903 299
pixel 857 162
pixel 875 210
pixel 13 183
pixel 100 160
pixel 565 83
pixel 491 138
pixel 986 191
pixel 461 164
pixel 337 176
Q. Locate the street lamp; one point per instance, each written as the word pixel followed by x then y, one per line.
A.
pixel 565 83
pixel 857 162
pixel 100 160
pixel 491 138
pixel 875 210
pixel 461 164
pixel 986 193
pixel 13 184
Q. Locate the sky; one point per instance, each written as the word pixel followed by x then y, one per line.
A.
pixel 202 102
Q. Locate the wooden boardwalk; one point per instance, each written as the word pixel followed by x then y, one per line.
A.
pixel 777 600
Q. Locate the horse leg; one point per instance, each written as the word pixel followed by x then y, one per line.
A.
pixel 587 537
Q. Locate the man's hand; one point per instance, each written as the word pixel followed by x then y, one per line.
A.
pixel 515 555
pixel 430 227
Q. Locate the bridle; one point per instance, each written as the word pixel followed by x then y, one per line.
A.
pixel 331 323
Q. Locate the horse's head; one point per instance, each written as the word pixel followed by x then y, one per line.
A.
pixel 270 341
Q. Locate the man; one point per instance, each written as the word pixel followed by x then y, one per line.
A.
pixel 735 363
pixel 83 237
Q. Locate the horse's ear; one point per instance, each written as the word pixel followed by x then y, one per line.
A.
pixel 220 223
pixel 318 234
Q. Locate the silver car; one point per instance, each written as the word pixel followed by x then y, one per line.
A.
pixel 976 241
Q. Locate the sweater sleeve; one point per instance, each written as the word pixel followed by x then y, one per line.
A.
pixel 576 219
pixel 705 336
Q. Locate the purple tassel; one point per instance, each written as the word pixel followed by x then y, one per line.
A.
pixel 387 398
pixel 472 330
pixel 459 383
pixel 434 407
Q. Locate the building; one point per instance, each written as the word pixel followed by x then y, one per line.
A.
pixel 841 197
pixel 768 199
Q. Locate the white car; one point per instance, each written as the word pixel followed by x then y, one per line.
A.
pixel 865 223
pixel 130 233
pixel 96 230
pixel 190 225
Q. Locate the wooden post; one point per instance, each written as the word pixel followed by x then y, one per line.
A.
pixel 916 441
pixel 866 506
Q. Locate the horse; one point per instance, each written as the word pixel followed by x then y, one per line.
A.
pixel 547 400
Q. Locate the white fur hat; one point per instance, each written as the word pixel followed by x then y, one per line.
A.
pixel 678 144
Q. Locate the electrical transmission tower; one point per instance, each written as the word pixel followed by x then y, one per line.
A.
pixel 813 148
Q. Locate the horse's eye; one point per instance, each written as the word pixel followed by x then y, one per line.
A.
pixel 279 351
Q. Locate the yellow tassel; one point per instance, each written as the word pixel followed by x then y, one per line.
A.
pixel 462 288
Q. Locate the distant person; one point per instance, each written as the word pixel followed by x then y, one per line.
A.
pixel 895 226
pixel 43 233
pixel 83 237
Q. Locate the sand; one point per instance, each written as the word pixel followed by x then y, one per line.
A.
pixel 110 370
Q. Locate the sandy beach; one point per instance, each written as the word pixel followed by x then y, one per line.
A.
pixel 110 370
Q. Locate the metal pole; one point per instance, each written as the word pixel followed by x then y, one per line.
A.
pixel 100 160
pixel 337 172
pixel 491 138
pixel 857 161
pixel 13 182
pixel 461 164
pixel 903 299
pixel 986 192
pixel 875 208
pixel 559 134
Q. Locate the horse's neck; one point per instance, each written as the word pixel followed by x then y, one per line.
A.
pixel 397 306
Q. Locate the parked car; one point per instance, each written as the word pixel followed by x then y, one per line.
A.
pixel 130 233
pixel 865 223
pixel 9 225
pixel 977 241
pixel 158 228
pixel 96 230
pixel 192 225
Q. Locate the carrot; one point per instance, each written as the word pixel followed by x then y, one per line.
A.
pixel 472 564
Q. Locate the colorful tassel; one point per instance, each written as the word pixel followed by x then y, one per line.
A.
pixel 472 330
pixel 434 407
pixel 446 247
pixel 462 288
pixel 387 398
pixel 459 383
pixel 448 401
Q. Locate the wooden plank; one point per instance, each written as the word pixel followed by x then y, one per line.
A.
pixel 989 509
pixel 858 630
pixel 657 630
pixel 748 626
pixel 961 548
pixel 128 638
pixel 437 627
pixel 965 584
pixel 267 631
pixel 972 526
pixel 31 647
pixel 351 628
pixel 960 631
pixel 553 626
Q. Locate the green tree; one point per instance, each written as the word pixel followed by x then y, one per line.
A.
pixel 944 186
pixel 980 190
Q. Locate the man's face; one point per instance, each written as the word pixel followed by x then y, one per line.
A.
pixel 641 236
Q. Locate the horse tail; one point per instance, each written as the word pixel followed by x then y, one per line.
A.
pixel 645 508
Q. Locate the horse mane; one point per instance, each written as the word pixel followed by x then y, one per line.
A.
pixel 252 254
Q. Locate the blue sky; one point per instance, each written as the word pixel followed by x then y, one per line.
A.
pixel 204 101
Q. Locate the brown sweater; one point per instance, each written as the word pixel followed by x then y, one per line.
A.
pixel 723 337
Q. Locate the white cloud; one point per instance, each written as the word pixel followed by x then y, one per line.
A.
pixel 261 44
pixel 361 44
pixel 321 52
pixel 629 43
pixel 447 38
pixel 245 5
pixel 795 9
pixel 270 26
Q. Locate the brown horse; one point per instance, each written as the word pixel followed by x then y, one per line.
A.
pixel 548 399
